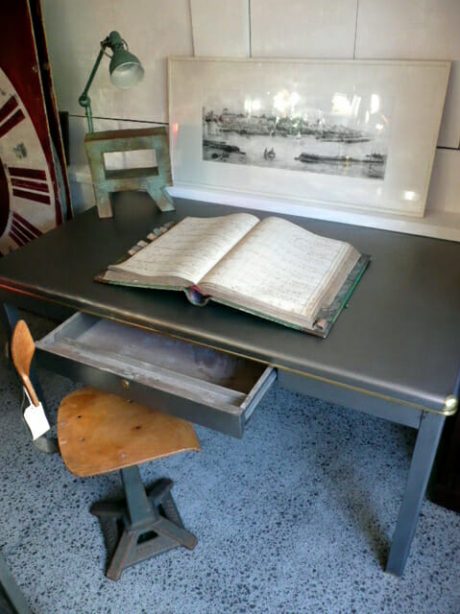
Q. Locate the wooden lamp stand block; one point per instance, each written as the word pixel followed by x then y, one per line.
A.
pixel 152 179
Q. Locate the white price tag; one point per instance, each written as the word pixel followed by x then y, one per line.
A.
pixel 36 419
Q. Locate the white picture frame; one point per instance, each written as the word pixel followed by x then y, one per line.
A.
pixel 352 134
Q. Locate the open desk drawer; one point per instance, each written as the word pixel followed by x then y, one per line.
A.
pixel 202 385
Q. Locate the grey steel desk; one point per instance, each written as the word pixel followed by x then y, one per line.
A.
pixel 394 353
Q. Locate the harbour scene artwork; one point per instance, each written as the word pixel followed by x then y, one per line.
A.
pixel 341 134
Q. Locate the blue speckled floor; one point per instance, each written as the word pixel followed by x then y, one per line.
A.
pixel 295 518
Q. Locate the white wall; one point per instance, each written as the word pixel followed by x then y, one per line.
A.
pixel 156 29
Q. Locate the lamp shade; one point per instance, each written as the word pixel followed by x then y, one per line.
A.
pixel 125 68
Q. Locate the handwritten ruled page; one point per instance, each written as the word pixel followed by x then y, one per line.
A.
pixel 189 250
pixel 283 266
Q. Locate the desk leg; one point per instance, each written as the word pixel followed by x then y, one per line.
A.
pixel 12 591
pixel 423 457
pixel 9 316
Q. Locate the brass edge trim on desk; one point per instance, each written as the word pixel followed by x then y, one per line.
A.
pixel 450 403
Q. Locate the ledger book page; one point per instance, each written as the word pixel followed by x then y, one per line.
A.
pixel 189 250
pixel 284 266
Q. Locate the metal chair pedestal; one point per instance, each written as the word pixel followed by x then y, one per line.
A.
pixel 143 525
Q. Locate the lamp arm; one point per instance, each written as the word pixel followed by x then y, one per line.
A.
pixel 85 100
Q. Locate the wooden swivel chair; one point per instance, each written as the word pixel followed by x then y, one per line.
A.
pixel 100 432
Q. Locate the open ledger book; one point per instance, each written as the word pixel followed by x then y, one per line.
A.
pixel 271 268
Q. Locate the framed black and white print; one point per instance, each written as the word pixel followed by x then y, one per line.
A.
pixel 332 133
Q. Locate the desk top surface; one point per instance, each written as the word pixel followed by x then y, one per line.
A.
pixel 399 336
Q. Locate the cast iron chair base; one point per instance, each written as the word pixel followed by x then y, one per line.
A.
pixel 143 525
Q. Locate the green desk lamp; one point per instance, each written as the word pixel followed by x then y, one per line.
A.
pixel 125 70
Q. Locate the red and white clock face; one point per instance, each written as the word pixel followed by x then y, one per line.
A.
pixel 27 198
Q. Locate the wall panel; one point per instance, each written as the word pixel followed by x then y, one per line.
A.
pixel 154 29
pixel 444 194
pixel 417 30
pixel 220 28
pixel 303 28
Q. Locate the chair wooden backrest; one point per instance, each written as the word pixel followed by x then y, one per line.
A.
pixel 22 353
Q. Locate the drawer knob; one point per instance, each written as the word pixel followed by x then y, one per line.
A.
pixel 125 384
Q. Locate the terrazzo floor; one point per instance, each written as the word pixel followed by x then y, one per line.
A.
pixel 294 518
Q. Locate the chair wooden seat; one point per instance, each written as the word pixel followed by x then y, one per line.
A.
pixel 100 432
